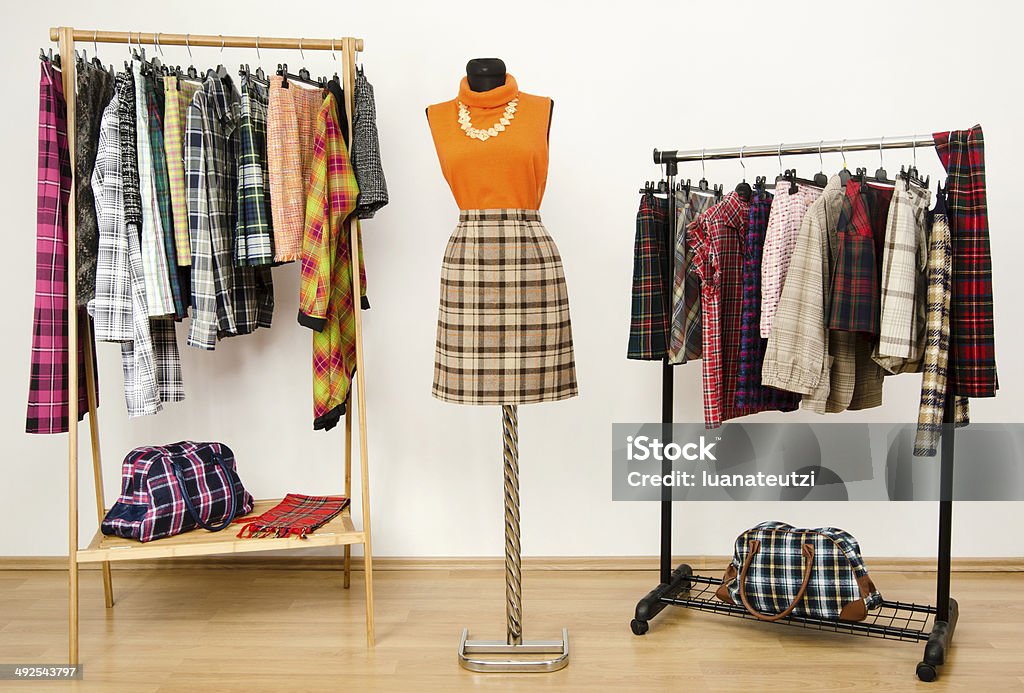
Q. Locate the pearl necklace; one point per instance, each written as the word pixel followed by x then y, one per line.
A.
pixel 494 130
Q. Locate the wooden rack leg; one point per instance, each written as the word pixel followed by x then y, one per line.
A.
pixel 66 46
pixel 347 582
pixel 97 467
pixel 348 55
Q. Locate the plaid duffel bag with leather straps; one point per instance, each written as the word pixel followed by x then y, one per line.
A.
pixel 778 570
pixel 170 489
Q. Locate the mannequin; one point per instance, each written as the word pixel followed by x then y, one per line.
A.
pixel 520 347
pixel 485 74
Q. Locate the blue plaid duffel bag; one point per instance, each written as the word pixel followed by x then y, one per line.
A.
pixel 170 489
pixel 778 570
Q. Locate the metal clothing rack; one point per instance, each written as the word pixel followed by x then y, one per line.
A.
pixel 340 531
pixel 681 587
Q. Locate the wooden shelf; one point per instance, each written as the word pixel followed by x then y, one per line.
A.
pixel 338 532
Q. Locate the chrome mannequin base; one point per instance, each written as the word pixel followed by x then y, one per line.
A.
pixel 513 658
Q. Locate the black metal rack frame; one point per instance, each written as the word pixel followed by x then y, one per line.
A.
pixel 681 587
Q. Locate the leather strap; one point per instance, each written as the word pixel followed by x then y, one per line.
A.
pixel 755 545
pixel 232 501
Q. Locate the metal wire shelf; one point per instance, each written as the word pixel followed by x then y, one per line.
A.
pixel 891 621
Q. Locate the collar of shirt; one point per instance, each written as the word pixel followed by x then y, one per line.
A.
pixel 222 102
pixel 732 212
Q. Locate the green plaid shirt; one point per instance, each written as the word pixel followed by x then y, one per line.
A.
pixel 163 193
pixel 253 231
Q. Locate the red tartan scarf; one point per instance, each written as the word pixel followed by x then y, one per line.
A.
pixel 296 514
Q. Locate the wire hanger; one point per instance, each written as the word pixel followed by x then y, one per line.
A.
pixel 702 184
pixel 95 63
pixel 258 76
pixel 881 176
pixel 302 77
pixel 844 174
pixel 743 189
pixel 820 179
pixel 191 72
pixel 911 175
pixel 335 58
pixel 139 54
pixel 220 72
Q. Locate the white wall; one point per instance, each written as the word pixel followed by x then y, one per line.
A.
pixel 626 78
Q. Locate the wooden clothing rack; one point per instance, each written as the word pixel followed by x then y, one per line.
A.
pixel 103 549
pixel 682 587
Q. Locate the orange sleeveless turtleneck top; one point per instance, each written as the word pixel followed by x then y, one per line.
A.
pixel 504 172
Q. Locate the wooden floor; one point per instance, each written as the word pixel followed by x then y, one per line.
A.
pixel 296 630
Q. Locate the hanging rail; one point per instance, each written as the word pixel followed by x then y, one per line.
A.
pixel 822 146
pixel 212 40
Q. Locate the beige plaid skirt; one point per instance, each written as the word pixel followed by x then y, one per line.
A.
pixel 503 329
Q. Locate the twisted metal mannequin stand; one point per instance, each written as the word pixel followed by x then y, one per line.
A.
pixel 514 649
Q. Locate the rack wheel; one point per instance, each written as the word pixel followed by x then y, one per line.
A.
pixel 927 672
pixel 639 627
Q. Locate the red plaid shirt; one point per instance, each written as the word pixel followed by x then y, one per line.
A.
pixel 716 238
pixel 973 327
pixel 856 282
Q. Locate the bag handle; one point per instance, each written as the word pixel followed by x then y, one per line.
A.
pixel 755 545
pixel 219 461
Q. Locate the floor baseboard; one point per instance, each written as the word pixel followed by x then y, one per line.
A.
pixel 711 564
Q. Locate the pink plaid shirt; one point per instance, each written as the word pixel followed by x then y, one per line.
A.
pixel 787 214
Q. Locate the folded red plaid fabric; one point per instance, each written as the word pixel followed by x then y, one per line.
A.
pixel 296 514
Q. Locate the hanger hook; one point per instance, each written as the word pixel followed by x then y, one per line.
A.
pixel 95 48
pixel 188 47
pixel 333 56
pixel 221 42
pixel 129 44
pixel 301 52
pixel 742 163
pixel 915 150
pixel 159 48
pixel 881 162
pixel 842 151
pixel 821 161
pixel 780 158
pixel 258 57
pixel 703 171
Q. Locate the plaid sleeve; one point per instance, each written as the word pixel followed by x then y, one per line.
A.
pixel 203 331
pixel 314 287
pixel 111 307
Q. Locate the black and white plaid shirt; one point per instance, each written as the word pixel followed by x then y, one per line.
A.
pixel 373 189
pixel 149 350
pixel 226 300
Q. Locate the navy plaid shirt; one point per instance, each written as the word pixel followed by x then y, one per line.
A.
pixel 750 394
